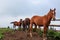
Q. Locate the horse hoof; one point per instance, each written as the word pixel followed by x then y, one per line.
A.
pixel 30 34
pixel 45 38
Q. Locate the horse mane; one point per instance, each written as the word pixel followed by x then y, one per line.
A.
pixel 13 22
pixel 49 15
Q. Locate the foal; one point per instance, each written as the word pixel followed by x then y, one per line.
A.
pixel 42 21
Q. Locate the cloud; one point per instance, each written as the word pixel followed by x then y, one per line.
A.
pixel 35 2
pixel 39 2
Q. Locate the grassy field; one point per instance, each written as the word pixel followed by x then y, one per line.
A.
pixel 52 35
pixel 2 31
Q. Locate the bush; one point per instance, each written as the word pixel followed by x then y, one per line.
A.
pixel 1 36
pixel 51 34
pixel 19 29
pixel 57 36
pixel 2 31
pixel 40 32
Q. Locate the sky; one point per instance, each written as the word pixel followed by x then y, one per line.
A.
pixel 13 10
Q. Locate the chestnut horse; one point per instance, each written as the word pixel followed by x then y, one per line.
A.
pixel 26 23
pixel 42 21
pixel 15 23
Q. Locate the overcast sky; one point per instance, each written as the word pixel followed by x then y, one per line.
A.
pixel 11 10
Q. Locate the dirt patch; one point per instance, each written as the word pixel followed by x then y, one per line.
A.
pixel 20 35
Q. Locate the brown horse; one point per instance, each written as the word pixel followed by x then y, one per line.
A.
pixel 26 23
pixel 42 21
pixel 15 23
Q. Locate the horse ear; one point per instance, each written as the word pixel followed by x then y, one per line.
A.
pixel 50 9
pixel 20 19
pixel 54 9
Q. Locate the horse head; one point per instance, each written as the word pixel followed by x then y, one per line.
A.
pixel 14 23
pixel 52 13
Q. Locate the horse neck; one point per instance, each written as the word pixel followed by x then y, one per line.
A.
pixel 49 16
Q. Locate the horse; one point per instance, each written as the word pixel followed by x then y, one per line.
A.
pixel 26 23
pixel 15 23
pixel 42 21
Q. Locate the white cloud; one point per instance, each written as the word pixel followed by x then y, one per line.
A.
pixel 40 2
pixel 35 2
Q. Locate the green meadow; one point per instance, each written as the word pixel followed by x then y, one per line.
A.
pixel 3 30
pixel 52 34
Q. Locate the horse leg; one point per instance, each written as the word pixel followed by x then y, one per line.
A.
pixel 19 28
pixel 35 28
pixel 25 27
pixel 14 27
pixel 39 28
pixel 30 29
pixel 45 33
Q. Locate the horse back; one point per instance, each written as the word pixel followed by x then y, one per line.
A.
pixel 27 21
pixel 38 20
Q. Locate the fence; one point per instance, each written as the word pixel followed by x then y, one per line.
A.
pixel 55 24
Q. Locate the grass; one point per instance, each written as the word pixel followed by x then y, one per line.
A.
pixel 52 35
pixel 2 30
